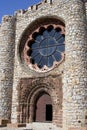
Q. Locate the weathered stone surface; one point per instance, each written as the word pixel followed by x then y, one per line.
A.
pixel 7 44
pixel 16 78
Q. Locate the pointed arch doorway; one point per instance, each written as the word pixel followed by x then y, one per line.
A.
pixel 43 108
pixel 40 107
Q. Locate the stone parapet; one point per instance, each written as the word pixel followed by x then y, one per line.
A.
pixel 33 7
pixel 7 18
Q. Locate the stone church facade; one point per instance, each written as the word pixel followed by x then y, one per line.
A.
pixel 43 64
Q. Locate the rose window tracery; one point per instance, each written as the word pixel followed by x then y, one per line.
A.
pixel 45 48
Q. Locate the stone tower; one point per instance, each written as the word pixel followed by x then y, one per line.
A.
pixel 43 64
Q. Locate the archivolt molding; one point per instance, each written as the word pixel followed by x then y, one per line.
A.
pixel 37 90
pixel 28 91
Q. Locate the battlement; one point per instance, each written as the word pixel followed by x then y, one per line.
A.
pixel 7 18
pixel 37 6
pixel 33 7
pixel 20 12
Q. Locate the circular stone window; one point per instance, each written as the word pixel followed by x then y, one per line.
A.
pixel 45 48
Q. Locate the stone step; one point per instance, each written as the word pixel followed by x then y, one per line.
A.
pixel 42 126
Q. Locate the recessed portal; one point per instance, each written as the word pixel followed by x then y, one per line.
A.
pixel 48 112
pixel 43 108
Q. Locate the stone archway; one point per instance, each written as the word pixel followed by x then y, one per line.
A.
pixel 40 94
pixel 31 90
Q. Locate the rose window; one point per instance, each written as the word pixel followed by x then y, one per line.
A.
pixel 45 48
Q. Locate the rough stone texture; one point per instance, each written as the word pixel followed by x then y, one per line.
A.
pixel 86 9
pixel 15 74
pixel 75 74
pixel 29 89
pixel 26 21
pixel 7 42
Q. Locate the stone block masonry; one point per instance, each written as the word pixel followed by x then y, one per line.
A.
pixel 14 32
pixel 75 74
pixel 86 9
pixel 7 44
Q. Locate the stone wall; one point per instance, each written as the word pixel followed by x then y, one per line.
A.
pixel 7 44
pixel 86 9
pixel 73 70
pixel 28 91
pixel 24 22
pixel 72 12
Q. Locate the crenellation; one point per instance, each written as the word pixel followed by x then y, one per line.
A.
pixel 45 1
pixel 20 12
pixel 37 5
pixel 33 7
pixel 6 18
pixel 50 1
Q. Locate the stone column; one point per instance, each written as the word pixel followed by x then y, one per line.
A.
pixel 31 113
pixel 15 100
pixel 7 43
pixel 75 71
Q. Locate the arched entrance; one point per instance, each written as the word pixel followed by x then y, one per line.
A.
pixel 40 106
pixel 40 100
pixel 43 108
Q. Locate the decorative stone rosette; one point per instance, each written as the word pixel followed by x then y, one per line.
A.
pixel 45 48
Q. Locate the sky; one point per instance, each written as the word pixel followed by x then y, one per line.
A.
pixel 8 7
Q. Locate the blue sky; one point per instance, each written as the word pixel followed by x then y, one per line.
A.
pixel 7 7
